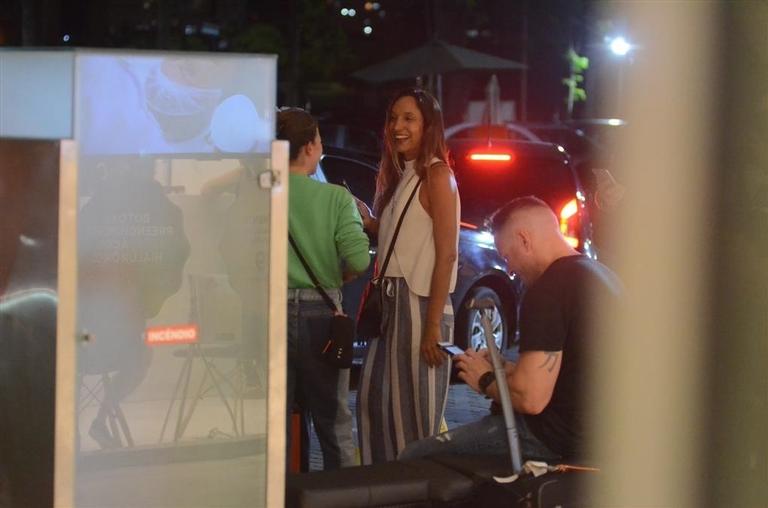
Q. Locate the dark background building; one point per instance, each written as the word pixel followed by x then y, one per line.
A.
pixel 321 42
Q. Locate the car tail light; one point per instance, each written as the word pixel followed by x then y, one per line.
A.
pixel 569 222
pixel 491 156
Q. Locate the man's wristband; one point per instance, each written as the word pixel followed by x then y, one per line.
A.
pixel 485 381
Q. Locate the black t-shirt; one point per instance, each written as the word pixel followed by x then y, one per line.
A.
pixel 555 317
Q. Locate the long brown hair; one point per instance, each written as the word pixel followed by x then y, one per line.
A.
pixel 432 145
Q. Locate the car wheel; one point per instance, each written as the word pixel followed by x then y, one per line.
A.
pixel 469 327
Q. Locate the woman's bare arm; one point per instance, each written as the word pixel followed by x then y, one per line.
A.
pixel 443 197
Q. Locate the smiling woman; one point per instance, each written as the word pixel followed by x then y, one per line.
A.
pixel 405 374
pixel 406 127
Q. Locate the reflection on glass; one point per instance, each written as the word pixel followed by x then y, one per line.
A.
pixel 173 294
pixel 175 105
pixel 172 281
pixel 132 252
pixel 29 174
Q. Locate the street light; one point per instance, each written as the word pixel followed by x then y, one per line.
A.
pixel 619 46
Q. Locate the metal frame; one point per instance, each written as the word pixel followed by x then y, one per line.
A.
pixel 277 346
pixel 66 315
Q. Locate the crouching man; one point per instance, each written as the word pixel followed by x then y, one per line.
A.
pixel 548 383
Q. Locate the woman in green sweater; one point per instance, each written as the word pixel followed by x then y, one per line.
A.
pixel 327 228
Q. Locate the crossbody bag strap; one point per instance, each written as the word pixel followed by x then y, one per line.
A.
pixel 397 229
pixel 327 299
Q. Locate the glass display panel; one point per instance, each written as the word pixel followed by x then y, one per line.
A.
pixel 36 94
pixel 175 104
pixel 173 280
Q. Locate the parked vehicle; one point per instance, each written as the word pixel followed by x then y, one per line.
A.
pixel 585 153
pixel 578 136
pixel 488 176
pixel 491 173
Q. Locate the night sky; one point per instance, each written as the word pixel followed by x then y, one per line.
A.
pixel 319 48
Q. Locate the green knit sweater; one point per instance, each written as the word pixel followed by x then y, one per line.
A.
pixel 324 221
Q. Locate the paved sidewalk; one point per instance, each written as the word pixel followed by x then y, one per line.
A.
pixel 463 406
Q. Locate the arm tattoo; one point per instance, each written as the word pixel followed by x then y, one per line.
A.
pixel 550 361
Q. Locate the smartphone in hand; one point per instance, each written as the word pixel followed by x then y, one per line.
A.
pixel 451 349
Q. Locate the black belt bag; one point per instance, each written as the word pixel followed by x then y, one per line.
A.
pixel 337 349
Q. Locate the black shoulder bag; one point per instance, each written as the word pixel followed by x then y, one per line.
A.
pixel 337 350
pixel 369 316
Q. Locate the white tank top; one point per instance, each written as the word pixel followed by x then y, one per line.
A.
pixel 414 254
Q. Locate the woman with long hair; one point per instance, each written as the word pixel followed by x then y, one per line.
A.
pixel 404 382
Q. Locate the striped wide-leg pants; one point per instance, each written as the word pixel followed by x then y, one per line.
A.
pixel 400 399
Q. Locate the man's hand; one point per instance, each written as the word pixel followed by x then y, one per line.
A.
pixel 472 365
pixel 430 351
pixel 486 355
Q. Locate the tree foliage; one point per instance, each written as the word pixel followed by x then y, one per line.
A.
pixel 577 64
pixel 259 38
pixel 324 47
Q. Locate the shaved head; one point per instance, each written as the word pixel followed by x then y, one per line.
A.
pixel 516 207
pixel 527 235
pixel 538 219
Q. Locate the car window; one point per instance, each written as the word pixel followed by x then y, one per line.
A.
pixel 353 138
pixel 577 144
pixel 359 178
pixel 482 131
pixel 331 134
pixel 319 175
pixel 484 188
pixel 603 135
pixel 363 140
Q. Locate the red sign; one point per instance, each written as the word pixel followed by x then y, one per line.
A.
pixel 175 334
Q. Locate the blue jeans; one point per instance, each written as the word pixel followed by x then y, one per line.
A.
pixel 320 390
pixel 487 436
